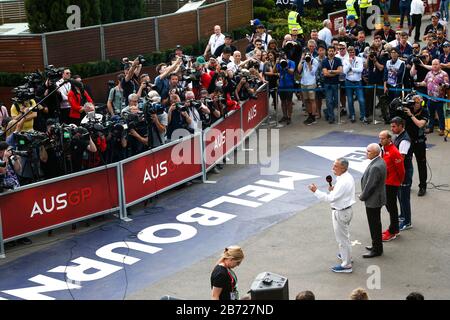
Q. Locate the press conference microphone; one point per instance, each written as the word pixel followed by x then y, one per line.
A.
pixel 330 180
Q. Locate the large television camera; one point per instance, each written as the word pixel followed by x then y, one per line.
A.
pixel 398 105
pixel 23 93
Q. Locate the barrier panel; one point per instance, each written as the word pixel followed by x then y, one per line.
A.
pixel 338 20
pixel 161 169
pixel 254 112
pixel 222 138
pixel 58 202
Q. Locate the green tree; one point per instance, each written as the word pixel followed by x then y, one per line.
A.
pixel 106 11
pixel 37 14
pixel 117 8
pixel 134 9
pixel 59 15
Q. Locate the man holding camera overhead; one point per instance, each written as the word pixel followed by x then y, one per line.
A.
pixel 308 69
pixel 132 70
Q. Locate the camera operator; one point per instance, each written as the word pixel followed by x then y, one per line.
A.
pixel 292 50
pixel 215 103
pixel 416 119
pixel 80 145
pixel 20 108
pixel 178 117
pixel 51 158
pixel 243 89
pixel 162 82
pixel 92 122
pixel 307 68
pixel 420 66
pixel 375 64
pixel 437 83
pixel 10 166
pixel 115 102
pixel 225 57
pixel 157 121
pixel 145 86
pixel 286 68
pixel 64 89
pixel 132 70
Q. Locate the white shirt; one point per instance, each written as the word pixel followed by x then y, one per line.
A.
pixel 404 147
pixel 357 66
pixel 326 35
pixel 216 41
pixel 417 7
pixel 64 91
pixel 309 77
pixel 343 194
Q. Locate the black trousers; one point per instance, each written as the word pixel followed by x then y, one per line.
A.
pixel 419 149
pixel 416 23
pixel 64 115
pixel 374 219
pixel 391 206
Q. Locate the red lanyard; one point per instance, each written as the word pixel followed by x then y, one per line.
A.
pixel 233 280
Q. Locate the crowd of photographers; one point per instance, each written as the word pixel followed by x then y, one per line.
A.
pixel 66 132
pixel 55 127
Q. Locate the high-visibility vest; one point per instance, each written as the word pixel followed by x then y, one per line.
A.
pixel 292 22
pixel 350 4
pixel 365 3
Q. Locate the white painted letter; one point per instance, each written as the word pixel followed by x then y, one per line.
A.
pixel 223 199
pixel 286 183
pixel 258 192
pixel 48 285
pixel 106 252
pixel 77 273
pixel 205 217
pixel 186 232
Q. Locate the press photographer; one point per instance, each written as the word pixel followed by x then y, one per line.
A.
pixel 130 84
pixel 375 64
pixel 247 85
pixel 136 128
pixel 216 104
pixel 10 166
pixel 23 102
pixel 116 101
pixel 178 117
pixel 156 120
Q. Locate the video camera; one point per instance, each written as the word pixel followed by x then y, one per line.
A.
pixel 23 93
pixel 397 106
pixel 27 141
pixel 153 108
pixel 191 75
pixel 126 61
pixel 53 74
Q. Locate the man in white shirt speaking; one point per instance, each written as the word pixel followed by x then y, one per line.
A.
pixel 341 198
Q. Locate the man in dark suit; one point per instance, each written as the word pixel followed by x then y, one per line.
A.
pixel 374 195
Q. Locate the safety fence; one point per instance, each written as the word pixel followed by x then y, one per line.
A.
pixel 114 188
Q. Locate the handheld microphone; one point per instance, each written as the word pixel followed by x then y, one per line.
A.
pixel 330 180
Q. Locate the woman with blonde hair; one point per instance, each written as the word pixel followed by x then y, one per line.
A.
pixel 223 279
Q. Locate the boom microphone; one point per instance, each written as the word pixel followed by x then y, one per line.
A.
pixel 330 180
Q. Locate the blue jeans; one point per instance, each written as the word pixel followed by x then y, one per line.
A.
pixel 404 193
pixel 331 96
pixel 359 95
pixel 405 8
pixel 436 106
pixel 443 8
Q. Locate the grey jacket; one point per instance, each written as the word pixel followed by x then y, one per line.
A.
pixel 373 184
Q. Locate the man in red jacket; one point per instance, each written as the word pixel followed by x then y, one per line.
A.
pixel 394 178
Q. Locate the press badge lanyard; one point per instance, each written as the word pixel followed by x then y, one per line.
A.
pixel 233 280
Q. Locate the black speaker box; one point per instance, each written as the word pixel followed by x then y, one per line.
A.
pixel 270 286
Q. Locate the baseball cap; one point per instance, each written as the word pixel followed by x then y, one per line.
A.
pixel 201 60
pixel 260 26
pixel 255 22
pixel 351 17
pixel 227 35
pixel 446 44
pixel 178 47
pixel 387 23
pixel 396 50
pixel 436 14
